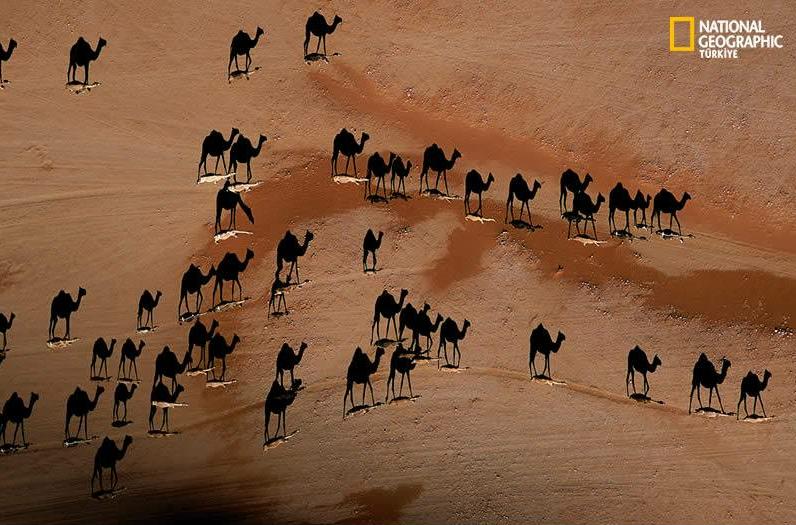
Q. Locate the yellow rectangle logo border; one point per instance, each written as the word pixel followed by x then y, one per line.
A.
pixel 681 19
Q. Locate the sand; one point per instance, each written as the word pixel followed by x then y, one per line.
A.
pixel 100 191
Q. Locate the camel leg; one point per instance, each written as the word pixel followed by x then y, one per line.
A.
pixel 679 229
pixel 532 366
pixel 345 397
pixel 627 220
pixel 759 396
pixel 79 426
pixel 318 47
pixel 372 399
pixel 278 424
pixel 120 372
pixel 124 417
pixel 710 397
pixel 134 366
pixel 401 389
pixel 738 408
pixel 68 318
pixel 719 397
pixel 114 477
pixel 480 204
pixel 115 411
pixel 85 79
pixel 646 385
pixel 364 386
pixel 445 178
pixel 354 161
pixel 347 160
pixel 267 421
pixel 409 380
pixel 14 439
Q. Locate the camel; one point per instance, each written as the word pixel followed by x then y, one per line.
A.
pixel 199 336
pixel 106 457
pixel 402 362
pixel 359 371
pixel 316 25
pixel 192 282
pixel 167 365
pixel 705 375
pixel 450 333
pixel 289 250
pixel 120 397
pixel 15 411
pixel 79 405
pixel 147 303
pixel 5 54
pixel 101 351
pixel 276 402
pixel 583 209
pixel 129 353
pixel 218 348
pixel 387 307
pixel 370 244
pixel 229 269
pixel 242 44
pixel 570 181
pixel 5 326
pixel 214 145
pixel 408 319
pixel 637 362
pixel 434 159
pixel 400 170
pixel 243 152
pixel 640 202
pixel 227 199
pixel 62 307
pixel 519 189
pixel 424 327
pixel 277 288
pixel 665 202
pixel 379 169
pixel 287 359
pixel 160 394
pixel 750 386
pixel 474 183
pixel 345 143
pixel 542 343
pixel 619 199
pixel 81 55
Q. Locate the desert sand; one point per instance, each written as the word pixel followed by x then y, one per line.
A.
pixel 99 192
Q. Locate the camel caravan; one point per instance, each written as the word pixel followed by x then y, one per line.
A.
pixel 208 349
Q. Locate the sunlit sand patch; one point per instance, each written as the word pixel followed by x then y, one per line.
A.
pixel 242 187
pixel 478 218
pixel 128 381
pixel 276 441
pixel 162 434
pixel 74 441
pixel 230 234
pixel 78 87
pixel 146 329
pixel 218 383
pixel 348 179
pixel 59 344
pixel 239 74
pixel 756 418
pixel 403 400
pixel 213 178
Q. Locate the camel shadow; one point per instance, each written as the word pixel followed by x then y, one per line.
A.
pixel 60 342
pixel 522 225
pixel 121 424
pixel 240 73
pixel 220 383
pixel 162 433
pixel 78 87
pixel 668 233
pixel 757 418
pixel 228 305
pixel 10 448
pixel 641 398
pixel 316 57
pixel 146 329
pixel 547 379
pixel 223 235
pixel 404 399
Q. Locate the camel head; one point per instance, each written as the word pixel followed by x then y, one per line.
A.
pixel 11 319
pixel 404 293
pixel 456 154
pixel 212 271
pixel 536 185
pixel 233 133
pixel 766 377
pixel 34 396
pixel 379 352
pixel 656 361
pixel 101 43
pixel 586 180
pixel 426 307
pixel 249 254
pixel 303 346
pixel 560 338
pixel 99 392
pixel 364 138
pixel 12 44
pixel 81 292
pixel 213 325
pixel 490 179
pixel 263 138
pixel 381 236
pixel 308 236
pixel 128 439
pixel 113 343
pixel 158 295
pixel 234 342
pixel 180 389
pixel 600 199
pixel 337 20
pixel 408 165
pixel 132 389
pixel 686 198
pixel 260 31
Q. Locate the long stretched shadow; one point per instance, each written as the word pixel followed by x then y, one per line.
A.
pixel 318 26
pixel 241 45
pixel 81 55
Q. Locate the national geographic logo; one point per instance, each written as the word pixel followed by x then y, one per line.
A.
pixel 719 38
